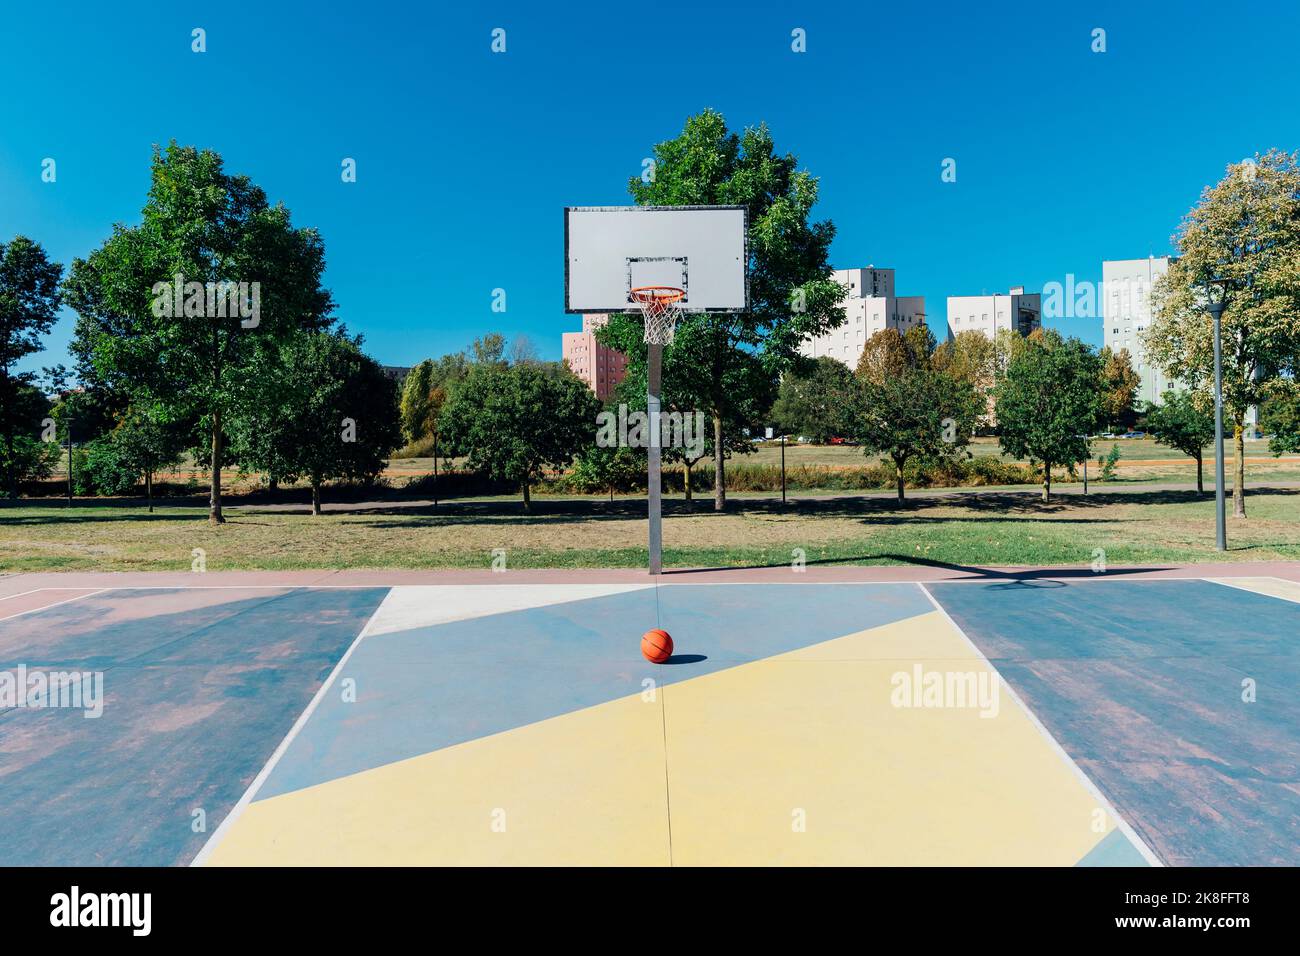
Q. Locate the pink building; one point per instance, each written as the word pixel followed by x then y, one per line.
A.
pixel 600 367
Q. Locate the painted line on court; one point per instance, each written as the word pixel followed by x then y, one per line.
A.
pixel 8 597
pixel 1120 823
pixel 46 607
pixel 201 857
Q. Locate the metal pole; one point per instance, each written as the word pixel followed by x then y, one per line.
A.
pixel 69 457
pixel 1221 531
pixel 655 355
pixel 783 469
pixel 1085 474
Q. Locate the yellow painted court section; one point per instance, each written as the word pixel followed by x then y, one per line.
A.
pixel 1273 587
pixel 585 788
pixel 801 758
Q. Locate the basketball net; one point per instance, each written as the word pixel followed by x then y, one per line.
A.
pixel 661 308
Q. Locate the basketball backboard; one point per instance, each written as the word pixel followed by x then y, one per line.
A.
pixel 611 250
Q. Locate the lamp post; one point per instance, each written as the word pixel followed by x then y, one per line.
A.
pixel 1215 300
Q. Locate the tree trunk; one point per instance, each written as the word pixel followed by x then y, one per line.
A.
pixel 214 495
pixel 686 479
pixel 315 494
pixel 1047 480
pixel 528 499
pixel 148 489
pixel 1239 471
pixel 898 474
pixel 1200 488
pixel 272 486
pixel 719 470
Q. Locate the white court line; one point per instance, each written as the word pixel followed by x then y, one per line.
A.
pixel 1091 787
pixel 33 610
pixel 201 858
pixel 33 591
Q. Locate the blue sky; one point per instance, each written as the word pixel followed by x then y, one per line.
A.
pixel 465 157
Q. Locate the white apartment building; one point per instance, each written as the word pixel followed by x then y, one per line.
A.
pixel 870 307
pixel 1016 310
pixel 1126 314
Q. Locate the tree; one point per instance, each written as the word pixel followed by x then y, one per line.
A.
pixel 335 416
pixel 513 421
pixel 792 292
pixel 1049 402
pixel 905 408
pixel 180 307
pixel 423 391
pixel 29 304
pixel 813 403
pixel 615 468
pixel 1181 423
pixel 488 350
pixel 142 444
pixel 28 455
pixel 1245 231
pixel 1279 416
pixel 1119 388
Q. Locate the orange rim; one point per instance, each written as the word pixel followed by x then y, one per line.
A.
pixel 657 297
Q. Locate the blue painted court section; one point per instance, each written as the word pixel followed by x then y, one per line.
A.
pixel 1142 684
pixel 432 687
pixel 200 686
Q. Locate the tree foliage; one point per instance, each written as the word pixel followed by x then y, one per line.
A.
pixel 1049 402
pixel 199 224
pixel 907 408
pixel 331 413
pixel 1180 422
pixel 814 403
pixel 29 304
pixel 1245 231
pixel 1119 388
pixel 513 421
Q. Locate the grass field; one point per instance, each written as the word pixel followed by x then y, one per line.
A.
pixel 991 528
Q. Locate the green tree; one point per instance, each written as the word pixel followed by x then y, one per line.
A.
pixel 905 407
pixel 1246 231
pixel 513 421
pixel 813 403
pixel 792 292
pixel 1279 416
pixel 1119 388
pixel 335 417
pixel 1049 402
pixel 1180 422
pixel 32 451
pixel 424 390
pixel 610 469
pixel 205 231
pixel 29 304
pixel 142 444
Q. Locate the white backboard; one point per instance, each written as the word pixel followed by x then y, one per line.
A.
pixel 609 250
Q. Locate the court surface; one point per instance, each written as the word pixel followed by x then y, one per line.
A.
pixel 994 720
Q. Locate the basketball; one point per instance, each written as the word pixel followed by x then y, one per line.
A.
pixel 657 646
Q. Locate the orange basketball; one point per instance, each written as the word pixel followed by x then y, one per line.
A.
pixel 657 646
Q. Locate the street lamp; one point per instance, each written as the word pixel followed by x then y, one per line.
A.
pixel 1216 294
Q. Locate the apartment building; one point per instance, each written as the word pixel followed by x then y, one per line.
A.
pixel 1016 310
pixel 600 367
pixel 870 307
pixel 1126 313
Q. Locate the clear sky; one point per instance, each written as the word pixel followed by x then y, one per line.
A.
pixel 465 158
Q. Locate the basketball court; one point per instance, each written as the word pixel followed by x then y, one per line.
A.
pixel 839 716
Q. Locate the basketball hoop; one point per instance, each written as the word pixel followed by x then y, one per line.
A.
pixel 661 307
